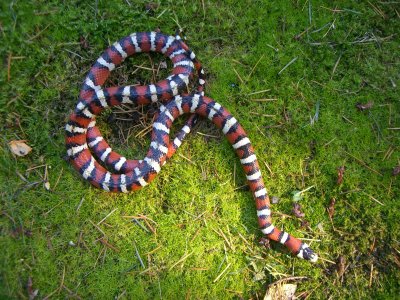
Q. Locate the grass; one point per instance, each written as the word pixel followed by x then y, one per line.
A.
pixel 199 238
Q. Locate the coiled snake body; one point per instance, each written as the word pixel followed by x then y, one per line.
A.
pixel 83 138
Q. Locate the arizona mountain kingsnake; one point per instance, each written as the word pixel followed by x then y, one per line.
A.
pixel 83 138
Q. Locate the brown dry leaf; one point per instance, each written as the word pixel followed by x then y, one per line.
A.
pixel 331 208
pixel 31 292
pixel 396 171
pixel 19 148
pixel 47 186
pixel 365 106
pixel 341 265
pixel 297 210
pixel 284 291
pixel 83 42
pixel 340 174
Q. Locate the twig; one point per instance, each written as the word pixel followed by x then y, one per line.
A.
pixel 222 273
pixel 376 200
pixel 80 204
pixel 138 256
pixel 291 278
pixel 106 216
pixel 269 169
pixel 287 65
pixel 140 224
pixel 237 74
pixel 264 115
pixel 258 92
pixel 335 66
pixel 58 178
pixel 263 99
pixel 98 228
pixel 363 163
pixel 180 260
pixel 9 67
pixel 106 243
pixel 252 70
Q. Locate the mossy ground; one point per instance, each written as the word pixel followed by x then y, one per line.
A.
pixel 342 54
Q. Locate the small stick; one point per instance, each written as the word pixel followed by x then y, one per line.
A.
pixel 258 92
pixel 327 260
pixel 269 169
pixel 106 216
pixel 62 280
pixel 335 66
pixel 223 236
pixel 185 158
pixel 180 260
pixel 9 67
pixel 291 278
pixel 371 275
pixel 252 70
pixel 154 250
pixel 80 204
pixel 144 68
pixel 58 178
pixel 98 228
pixel 140 224
pixel 244 240
pixel 39 33
pixel 222 273
pixel 149 226
pixel 363 163
pixel 264 115
pixel 35 167
pixel 207 135
pixel 287 65
pixel 329 142
pixel 138 256
pixel 263 99
pixel 237 74
pixel 348 120
pixel 58 204
pixel 376 200
pixel 106 243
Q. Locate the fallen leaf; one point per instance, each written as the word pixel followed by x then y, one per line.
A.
pixel 396 171
pixel 340 265
pixel 340 174
pixel 275 200
pixel 365 106
pixel 304 223
pixel 83 42
pixel 331 208
pixel 18 231
pixel 264 242
pixel 281 291
pixel 163 65
pixel 151 7
pixel 31 293
pixel 19 148
pixel 321 227
pixel 297 210
pixel 47 185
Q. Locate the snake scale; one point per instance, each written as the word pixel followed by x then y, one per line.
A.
pixel 86 147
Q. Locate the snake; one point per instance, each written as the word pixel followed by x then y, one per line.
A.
pixel 115 173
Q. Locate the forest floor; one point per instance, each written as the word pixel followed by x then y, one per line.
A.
pixel 315 86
